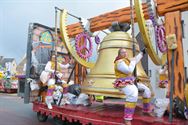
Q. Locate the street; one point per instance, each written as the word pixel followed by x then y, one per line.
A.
pixel 13 111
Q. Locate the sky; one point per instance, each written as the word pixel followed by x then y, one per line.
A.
pixel 15 16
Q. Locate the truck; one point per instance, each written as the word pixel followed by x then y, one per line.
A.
pixel 108 112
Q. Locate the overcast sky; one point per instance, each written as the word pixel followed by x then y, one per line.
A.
pixel 15 15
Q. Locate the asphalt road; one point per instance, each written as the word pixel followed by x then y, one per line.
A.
pixel 13 111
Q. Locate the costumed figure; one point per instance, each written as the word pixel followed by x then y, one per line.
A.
pixel 163 76
pixel 48 76
pixel 163 83
pixel 124 68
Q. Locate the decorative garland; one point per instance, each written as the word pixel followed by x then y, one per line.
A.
pixel 159 29
pixel 163 83
pixel 67 41
pixel 161 40
pixel 82 49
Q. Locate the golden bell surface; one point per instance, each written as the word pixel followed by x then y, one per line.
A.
pixel 99 80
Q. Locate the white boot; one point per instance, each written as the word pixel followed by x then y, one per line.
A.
pixel 49 100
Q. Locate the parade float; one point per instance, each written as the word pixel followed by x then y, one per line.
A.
pixel 1 81
pixel 8 83
pixel 78 40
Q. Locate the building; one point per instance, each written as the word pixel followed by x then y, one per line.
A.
pixel 21 66
pixel 9 64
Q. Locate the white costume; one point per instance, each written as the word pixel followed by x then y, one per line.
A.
pixel 125 82
pixel 49 69
pixel 46 77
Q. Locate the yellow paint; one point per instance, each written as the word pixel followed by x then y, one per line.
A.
pixel 99 98
pixel 145 34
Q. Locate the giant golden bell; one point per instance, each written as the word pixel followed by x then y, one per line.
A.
pixel 100 79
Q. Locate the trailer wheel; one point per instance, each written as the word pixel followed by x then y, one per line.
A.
pixel 42 117
pixel 58 121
